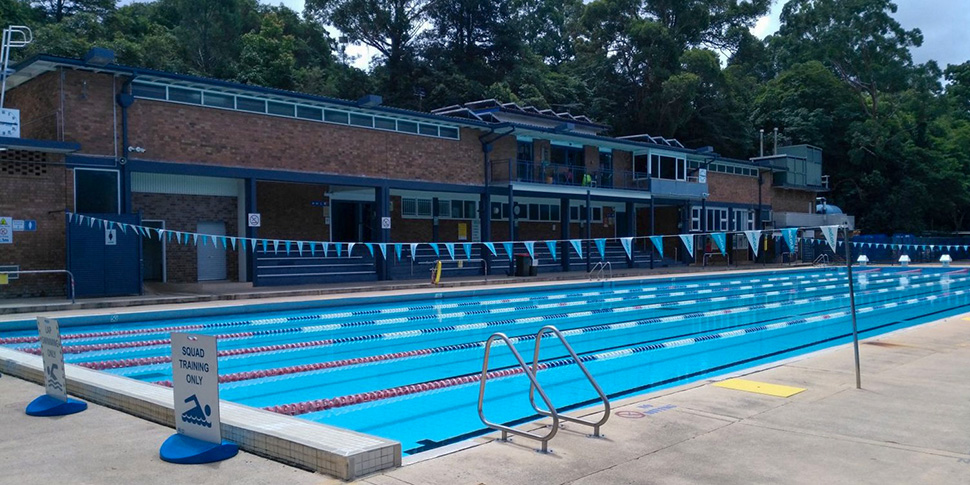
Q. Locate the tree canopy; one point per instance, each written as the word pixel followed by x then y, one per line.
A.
pixel 838 74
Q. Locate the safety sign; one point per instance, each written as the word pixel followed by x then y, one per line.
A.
pixel 6 230
pixel 50 348
pixel 195 379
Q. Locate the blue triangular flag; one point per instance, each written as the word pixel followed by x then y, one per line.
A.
pixel 383 248
pixel 508 249
pixel 601 247
pixel 468 250
pixel 451 250
pixel 313 249
pixel 658 242
pixel 627 243
pixel 299 247
pixel 720 239
pixel 437 252
pixel 195 239
pixel 552 248
pixel 340 247
pixel 578 246
pixel 350 248
pixel 326 248
pixel 688 240
pixel 491 247
pixel 397 250
pixel 414 251
pixel 530 246
pixel 370 247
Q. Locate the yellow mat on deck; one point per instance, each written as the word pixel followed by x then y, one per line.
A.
pixel 759 387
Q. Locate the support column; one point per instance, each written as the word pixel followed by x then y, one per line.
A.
pixel 565 248
pixel 435 219
pixel 485 219
pixel 589 229
pixel 382 198
pixel 685 224
pixel 251 232
pixel 511 228
pixel 653 214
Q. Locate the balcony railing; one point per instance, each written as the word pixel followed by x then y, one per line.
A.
pixel 528 171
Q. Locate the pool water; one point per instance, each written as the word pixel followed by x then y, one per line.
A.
pixel 408 369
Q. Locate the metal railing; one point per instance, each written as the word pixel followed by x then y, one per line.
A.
pixel 821 260
pixel 46 271
pixel 600 269
pixel 506 430
pixel 529 171
pixel 550 412
pixel 443 261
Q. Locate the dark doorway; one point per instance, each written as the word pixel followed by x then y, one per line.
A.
pixel 352 221
pixel 153 254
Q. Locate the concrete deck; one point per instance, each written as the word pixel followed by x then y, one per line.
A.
pixel 909 424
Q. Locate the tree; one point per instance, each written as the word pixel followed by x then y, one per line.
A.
pixel 266 56
pixel 58 9
pixel 858 39
pixel 390 26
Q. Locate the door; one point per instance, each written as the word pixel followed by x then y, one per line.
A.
pixel 153 254
pixel 211 257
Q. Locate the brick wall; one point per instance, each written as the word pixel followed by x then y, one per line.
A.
pixel 90 117
pixel 183 213
pixel 287 212
pixel 736 188
pixel 792 200
pixel 38 102
pixel 33 189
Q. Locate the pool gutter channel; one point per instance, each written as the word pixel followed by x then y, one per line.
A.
pixel 312 446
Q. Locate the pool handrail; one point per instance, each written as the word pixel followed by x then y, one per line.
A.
pixel 46 271
pixel 599 268
pixel 534 384
pixel 551 411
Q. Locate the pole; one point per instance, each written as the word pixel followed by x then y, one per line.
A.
pixel 855 328
pixel 589 228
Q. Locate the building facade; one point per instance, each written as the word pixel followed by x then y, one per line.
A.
pixel 195 155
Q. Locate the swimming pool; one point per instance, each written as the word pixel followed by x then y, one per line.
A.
pixel 407 368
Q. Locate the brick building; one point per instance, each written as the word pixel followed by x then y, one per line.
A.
pixel 196 155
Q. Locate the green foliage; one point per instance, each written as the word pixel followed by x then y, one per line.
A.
pixel 838 74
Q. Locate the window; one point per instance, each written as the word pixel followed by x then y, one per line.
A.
pixel 309 113
pixel 184 95
pixel 564 155
pixel 430 130
pixel 384 123
pixel 445 208
pixel 151 91
pixel 523 151
pixel 282 109
pixel 446 132
pixel 554 212
pixel 96 191
pixel 470 209
pixel 424 207
pixel 409 207
pixel 361 120
pixel 666 167
pixel 695 218
pixel 249 104
pixel 407 126
pixel 219 100
pixel 335 117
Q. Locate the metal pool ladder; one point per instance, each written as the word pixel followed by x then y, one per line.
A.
pixel 599 269
pixel 534 386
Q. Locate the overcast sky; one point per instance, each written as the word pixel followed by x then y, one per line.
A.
pixel 944 23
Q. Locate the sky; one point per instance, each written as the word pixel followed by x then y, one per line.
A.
pixel 946 37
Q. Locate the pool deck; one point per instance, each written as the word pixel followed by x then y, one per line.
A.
pixel 910 423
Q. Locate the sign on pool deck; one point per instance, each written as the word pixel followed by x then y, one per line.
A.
pixel 195 379
pixel 50 348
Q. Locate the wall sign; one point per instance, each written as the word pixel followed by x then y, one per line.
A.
pixel 254 219
pixel 6 230
pixel 195 379
pixel 50 347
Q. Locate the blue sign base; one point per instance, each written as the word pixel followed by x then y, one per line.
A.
pixel 45 405
pixel 183 450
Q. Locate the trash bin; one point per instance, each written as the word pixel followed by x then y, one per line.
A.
pixel 534 269
pixel 523 263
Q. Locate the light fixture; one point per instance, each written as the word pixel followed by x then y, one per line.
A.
pixel 136 149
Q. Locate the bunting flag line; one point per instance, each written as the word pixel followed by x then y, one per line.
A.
pixel 831 234
pixel 658 242
pixel 491 247
pixel 753 238
pixel 414 251
pixel 627 243
pixel 437 252
pixel 350 249
pixel 530 246
pixel 451 250
pixel 397 250
pixel 601 247
pixel 468 250
pixel 370 248
pixel 720 239
pixel 339 247
pixel 383 248
pixel 508 249
pixel 688 240
pixel 552 249
pixel 578 246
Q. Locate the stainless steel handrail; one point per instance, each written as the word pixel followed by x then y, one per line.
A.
pixel 821 260
pixel 46 271
pixel 481 260
pixel 552 411
pixel 599 268
pixel 534 385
